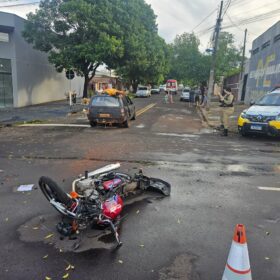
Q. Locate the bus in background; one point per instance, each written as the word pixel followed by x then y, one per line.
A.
pixel 172 86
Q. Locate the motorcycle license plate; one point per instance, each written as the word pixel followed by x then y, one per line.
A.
pixel 256 127
pixel 104 115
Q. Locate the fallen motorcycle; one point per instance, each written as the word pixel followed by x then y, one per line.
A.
pixel 97 197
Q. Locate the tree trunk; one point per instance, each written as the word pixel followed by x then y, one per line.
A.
pixel 134 85
pixel 85 92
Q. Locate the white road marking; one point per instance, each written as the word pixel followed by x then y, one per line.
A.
pixel 178 135
pixel 140 126
pixel 55 125
pixel 269 189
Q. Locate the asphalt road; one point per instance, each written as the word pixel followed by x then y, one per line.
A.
pixel 214 182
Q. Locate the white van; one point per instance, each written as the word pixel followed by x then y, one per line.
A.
pixel 143 91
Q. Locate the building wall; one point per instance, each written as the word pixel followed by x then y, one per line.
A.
pixel 233 83
pixel 264 69
pixel 35 80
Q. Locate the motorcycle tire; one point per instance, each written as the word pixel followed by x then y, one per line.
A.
pixel 52 191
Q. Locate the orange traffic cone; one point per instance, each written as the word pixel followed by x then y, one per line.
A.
pixel 238 263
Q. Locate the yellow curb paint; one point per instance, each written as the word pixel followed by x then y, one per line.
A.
pixel 143 110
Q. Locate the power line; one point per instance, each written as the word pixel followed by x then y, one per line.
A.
pixel 205 19
pixel 259 17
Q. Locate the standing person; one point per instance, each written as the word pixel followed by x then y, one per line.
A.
pixel 204 107
pixel 227 109
pixel 166 97
pixel 170 97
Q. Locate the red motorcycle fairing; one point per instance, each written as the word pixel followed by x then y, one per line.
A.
pixel 112 207
pixel 108 185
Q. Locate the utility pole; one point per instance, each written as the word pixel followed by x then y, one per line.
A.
pixel 243 55
pixel 214 54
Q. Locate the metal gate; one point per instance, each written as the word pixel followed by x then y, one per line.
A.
pixel 6 84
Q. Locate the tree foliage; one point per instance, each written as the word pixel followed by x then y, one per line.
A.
pixel 188 64
pixel 145 57
pixel 192 67
pixel 228 56
pixel 83 34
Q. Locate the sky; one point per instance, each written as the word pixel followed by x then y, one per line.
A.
pixel 175 17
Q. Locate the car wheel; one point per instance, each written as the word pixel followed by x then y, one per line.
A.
pixel 92 123
pixel 126 124
pixel 242 132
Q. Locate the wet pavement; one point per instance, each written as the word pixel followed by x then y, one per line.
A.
pixel 215 185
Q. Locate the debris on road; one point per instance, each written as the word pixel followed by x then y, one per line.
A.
pixel 120 261
pixel 49 236
pixel 25 188
pixel 65 276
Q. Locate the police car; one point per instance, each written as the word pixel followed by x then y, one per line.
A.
pixel 263 117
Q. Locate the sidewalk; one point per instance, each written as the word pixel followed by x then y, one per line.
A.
pixel 214 116
pixel 57 110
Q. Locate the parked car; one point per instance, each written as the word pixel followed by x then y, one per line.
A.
pixel 162 88
pixel 185 95
pixel 111 109
pixel 143 91
pixel 263 117
pixel 155 90
pixel 180 87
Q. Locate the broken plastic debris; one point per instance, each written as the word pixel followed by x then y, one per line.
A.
pixel 267 233
pixel 65 276
pixel 7 219
pixel 60 251
pixel 138 211
pixel 267 258
pixel 25 188
pixel 48 278
pixel 141 245
pixel 178 221
pixel 35 228
pixel 120 261
pixel 70 267
pixel 45 256
pixel 49 236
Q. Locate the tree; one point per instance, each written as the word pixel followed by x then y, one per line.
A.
pixel 76 34
pixel 145 57
pixel 228 56
pixel 188 64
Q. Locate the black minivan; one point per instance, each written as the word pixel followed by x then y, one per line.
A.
pixel 111 109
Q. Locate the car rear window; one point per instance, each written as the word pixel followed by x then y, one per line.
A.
pixel 142 88
pixel 106 101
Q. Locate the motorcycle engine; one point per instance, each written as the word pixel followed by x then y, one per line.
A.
pixel 83 185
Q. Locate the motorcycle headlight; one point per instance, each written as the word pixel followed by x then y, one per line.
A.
pixel 244 115
pixel 277 118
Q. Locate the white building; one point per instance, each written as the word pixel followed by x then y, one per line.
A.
pixel 26 76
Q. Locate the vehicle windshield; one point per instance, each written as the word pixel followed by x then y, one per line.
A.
pixel 272 99
pixel 106 101
pixel 142 88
